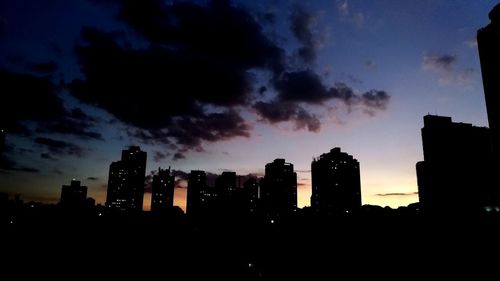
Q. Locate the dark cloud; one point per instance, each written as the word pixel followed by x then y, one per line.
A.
pixel 8 164
pixel 275 111
pixel 75 123
pixel 57 171
pixel 441 62
pixel 194 69
pixel 179 156
pixel 47 156
pixel 26 97
pixel 398 194
pixel 445 66
pixel 302 25
pixel 158 156
pixel 35 99
pixel 92 178
pixel 375 99
pixel 58 147
pixel 148 182
pixel 46 67
pixel 301 86
pixel 200 56
pixel 306 87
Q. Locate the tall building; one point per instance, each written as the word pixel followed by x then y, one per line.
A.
pixel 279 188
pixel 226 184
pixel 3 133
pixel 162 196
pixel 197 187
pixel 126 181
pixel 251 191
pixel 336 184
pixel 456 173
pixel 488 40
pixel 73 195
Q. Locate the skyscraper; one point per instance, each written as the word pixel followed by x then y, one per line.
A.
pixel 251 191
pixel 456 173
pixel 73 195
pixel 279 188
pixel 126 181
pixel 226 185
pixel 197 186
pixel 3 133
pixel 488 40
pixel 336 184
pixel 162 196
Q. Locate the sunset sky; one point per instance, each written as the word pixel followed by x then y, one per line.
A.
pixel 231 85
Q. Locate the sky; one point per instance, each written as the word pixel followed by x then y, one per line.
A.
pixel 230 86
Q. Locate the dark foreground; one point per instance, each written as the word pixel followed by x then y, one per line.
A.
pixel 174 247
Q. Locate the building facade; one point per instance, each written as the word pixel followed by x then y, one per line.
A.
pixel 73 195
pixel 162 191
pixel 126 181
pixel 456 173
pixel 196 192
pixel 336 184
pixel 278 193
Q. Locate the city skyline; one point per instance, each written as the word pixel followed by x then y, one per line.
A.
pixel 370 73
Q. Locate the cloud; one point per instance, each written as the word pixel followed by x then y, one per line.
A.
pixel 275 112
pixel 58 147
pixel 43 68
pixel 299 88
pixel 303 25
pixel 397 194
pixel 193 63
pixel 196 69
pixel 343 7
pixel 57 171
pixel 26 97
pixel 442 63
pixel 8 164
pixel 35 99
pixel 47 156
pixel 75 123
pixel 356 18
pixel 472 43
pixel 158 156
pixel 92 178
pixel 445 67
pixel 370 64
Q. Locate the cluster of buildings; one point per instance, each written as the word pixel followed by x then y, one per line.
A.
pixel 461 161
pixel 335 179
pixel 458 173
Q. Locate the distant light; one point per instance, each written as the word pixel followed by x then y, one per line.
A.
pixel 347 211
pixel 250 264
pixel 11 221
pixel 272 221
pixel 100 214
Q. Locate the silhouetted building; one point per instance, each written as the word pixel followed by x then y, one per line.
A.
pixel 279 188
pixel 162 197
pixel 226 184
pixel 73 195
pixel 336 184
pixel 456 173
pixel 251 191
pixel 126 181
pixel 488 39
pixel 196 193
pixel 3 133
